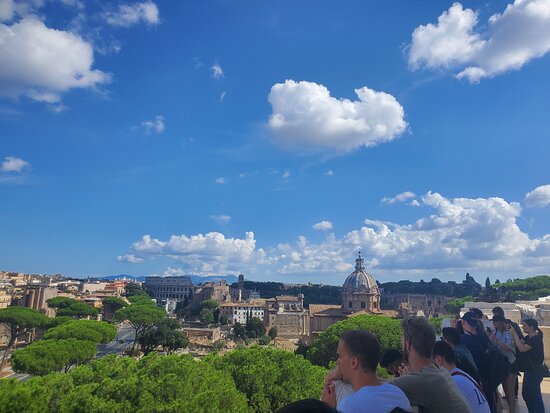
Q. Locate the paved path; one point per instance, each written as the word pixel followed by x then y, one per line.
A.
pixel 123 340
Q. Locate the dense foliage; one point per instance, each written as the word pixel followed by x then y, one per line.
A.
pixel 141 317
pixel 313 294
pixel 526 289
pixel 323 349
pixel 17 322
pixel 254 327
pixel 110 307
pixel 454 306
pixel 206 316
pixel 141 300
pixel 71 343
pixel 133 289
pixel 436 287
pixel 70 307
pixel 95 331
pixel 122 384
pixel 270 378
pixel 166 334
pixel 46 356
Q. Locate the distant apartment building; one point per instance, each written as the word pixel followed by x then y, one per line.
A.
pixel 5 299
pixel 162 289
pixel 239 312
pixel 92 286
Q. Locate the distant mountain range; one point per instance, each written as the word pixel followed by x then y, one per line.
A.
pixel 196 279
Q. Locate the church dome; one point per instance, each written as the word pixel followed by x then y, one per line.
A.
pixel 360 280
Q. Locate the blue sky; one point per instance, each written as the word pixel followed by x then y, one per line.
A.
pixel 275 139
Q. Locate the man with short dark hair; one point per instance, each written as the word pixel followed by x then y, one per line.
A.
pixel 444 356
pixel 428 386
pixel 357 358
pixel 464 359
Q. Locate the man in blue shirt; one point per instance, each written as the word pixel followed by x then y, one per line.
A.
pixel 357 358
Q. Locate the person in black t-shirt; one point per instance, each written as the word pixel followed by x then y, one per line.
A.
pixel 533 349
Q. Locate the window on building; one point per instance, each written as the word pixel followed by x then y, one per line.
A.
pixel 363 304
pixel 350 304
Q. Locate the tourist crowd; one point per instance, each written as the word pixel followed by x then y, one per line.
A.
pixel 458 374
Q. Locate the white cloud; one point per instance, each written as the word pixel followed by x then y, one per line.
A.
pixel 221 180
pixel 285 175
pixel 461 235
pixel 221 219
pixel 222 97
pixel 7 10
pixel 538 197
pixel 217 71
pixel 131 14
pixel 402 197
pixel 456 236
pixel 509 40
pixel 330 172
pixel 306 116
pixel 130 258
pixel 323 226
pixel 41 63
pixel 200 254
pixel 156 125
pixel 13 164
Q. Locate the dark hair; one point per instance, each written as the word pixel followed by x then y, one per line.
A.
pixel 531 322
pixel 445 350
pixel 473 320
pixel 477 312
pixel 452 335
pixel 307 406
pixel 499 317
pixel 365 346
pixel 390 356
pixel 420 333
pixel 498 310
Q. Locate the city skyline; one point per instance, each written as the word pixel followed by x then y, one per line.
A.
pixel 275 140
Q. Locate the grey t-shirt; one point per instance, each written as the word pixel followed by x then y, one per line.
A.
pixel 433 390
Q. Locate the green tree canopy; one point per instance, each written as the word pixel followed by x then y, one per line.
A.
pixel 78 309
pixel 239 330
pixel 140 317
pixel 111 305
pixel 19 321
pixel 264 340
pixel 206 316
pixel 122 384
pixel 95 331
pixel 454 306
pixel 46 356
pixel 323 349
pixel 166 334
pixel 58 320
pixel 255 327
pixel 272 332
pixel 270 378
pixel 132 289
pixel 210 304
pixel 60 302
pixel 140 300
